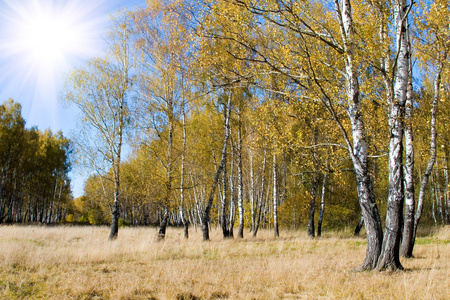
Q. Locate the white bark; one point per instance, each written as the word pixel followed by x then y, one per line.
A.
pixel 251 191
pixel 359 150
pixel 206 213
pixel 410 202
pixel 390 252
pixel 275 195
pixel 240 180
pixel 322 204
pixel 431 161
pixel 183 159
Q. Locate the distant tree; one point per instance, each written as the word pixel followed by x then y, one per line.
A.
pixel 34 183
pixel 12 142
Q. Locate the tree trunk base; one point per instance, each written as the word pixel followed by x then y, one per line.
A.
pixel 240 232
pixel 407 254
pixel 389 259
pixel 112 238
pixel 205 231
pixel 186 230
pixel 162 228
pixel 114 232
pixel 368 265
pixel 389 266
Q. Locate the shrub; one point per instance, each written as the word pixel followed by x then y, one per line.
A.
pixel 70 218
pixel 123 223
pixel 83 219
pixel 95 216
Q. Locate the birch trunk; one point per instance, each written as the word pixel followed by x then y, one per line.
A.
pixel 115 212
pixel 359 149
pixel 224 217
pixel 439 197
pixel 433 200
pixel 390 251
pixel 183 155
pixel 322 205
pixel 251 191
pixel 240 180
pixel 431 161
pixel 446 190
pixel 314 184
pixel 261 197
pixel 206 213
pixel 312 205
pixel 410 202
pixel 165 217
pixel 275 196
pixel 232 211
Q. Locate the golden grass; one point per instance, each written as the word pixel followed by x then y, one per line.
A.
pixel 79 263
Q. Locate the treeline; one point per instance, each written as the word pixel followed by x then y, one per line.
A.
pixel 274 113
pixel 34 185
pixel 327 193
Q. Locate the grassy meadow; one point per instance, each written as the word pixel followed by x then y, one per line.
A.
pixel 38 262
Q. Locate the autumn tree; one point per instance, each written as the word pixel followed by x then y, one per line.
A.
pixel 433 45
pixel 101 90
pixel 34 183
pixel 12 139
pixel 162 35
pixel 389 257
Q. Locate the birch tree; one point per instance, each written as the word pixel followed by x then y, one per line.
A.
pixel 433 51
pixel 240 173
pixel 205 217
pixel 390 252
pixel 275 200
pixel 101 90
pixel 163 44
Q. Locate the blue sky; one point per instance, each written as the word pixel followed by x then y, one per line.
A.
pixel 35 84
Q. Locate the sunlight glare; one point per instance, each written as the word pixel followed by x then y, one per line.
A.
pixel 43 39
pixel 40 41
pixel 47 40
pixel 48 36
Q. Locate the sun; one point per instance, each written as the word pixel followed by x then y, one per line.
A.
pixel 46 37
pixel 49 36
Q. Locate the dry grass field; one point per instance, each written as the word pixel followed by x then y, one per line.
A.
pixel 79 263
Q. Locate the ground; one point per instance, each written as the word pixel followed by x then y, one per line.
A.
pixel 38 262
